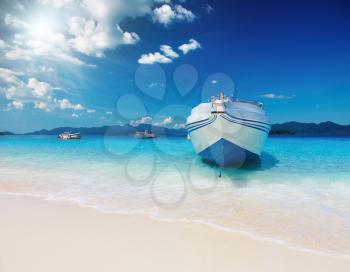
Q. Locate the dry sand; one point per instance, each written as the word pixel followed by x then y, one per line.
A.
pixel 42 236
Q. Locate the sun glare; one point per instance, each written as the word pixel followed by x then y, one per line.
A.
pixel 42 28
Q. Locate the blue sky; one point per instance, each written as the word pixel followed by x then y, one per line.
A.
pixel 93 63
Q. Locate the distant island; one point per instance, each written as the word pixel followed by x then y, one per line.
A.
pixel 114 130
pixel 6 133
pixel 285 129
pixel 311 129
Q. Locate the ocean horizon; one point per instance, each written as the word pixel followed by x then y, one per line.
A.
pixel 299 186
pixel 286 129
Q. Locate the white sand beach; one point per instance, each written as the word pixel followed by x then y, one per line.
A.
pixel 38 236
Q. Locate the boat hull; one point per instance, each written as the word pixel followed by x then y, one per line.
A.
pixel 227 140
pixel 225 153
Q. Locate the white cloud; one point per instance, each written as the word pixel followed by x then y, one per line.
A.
pixel 92 38
pixel 18 53
pixel 87 37
pixel 156 57
pixel 46 69
pixel 129 37
pixel 19 105
pixel 39 89
pixel 183 14
pixel 276 96
pixel 214 81
pixel 166 14
pixel 14 88
pixel 89 27
pixel 3 44
pixel 66 104
pixel 209 9
pixel 38 93
pixel 168 54
pixel 42 105
pixel 151 58
pixel 55 48
pixel 90 110
pixel 142 120
pixel 56 3
pixel 109 112
pixel 14 21
pixel 192 45
pixel 145 120
pixel 35 92
pixel 16 91
pixel 68 58
pixel 168 51
pixel 9 76
pixel 179 125
pixel 166 122
pixel 74 115
pixel 97 29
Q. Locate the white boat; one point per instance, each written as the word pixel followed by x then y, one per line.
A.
pixel 228 131
pixel 69 136
pixel 147 134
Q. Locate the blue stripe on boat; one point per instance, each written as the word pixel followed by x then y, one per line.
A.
pixel 265 129
pixel 204 120
pixel 198 123
pixel 246 125
pixel 202 125
pixel 226 118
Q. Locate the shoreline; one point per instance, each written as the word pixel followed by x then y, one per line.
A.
pixel 38 225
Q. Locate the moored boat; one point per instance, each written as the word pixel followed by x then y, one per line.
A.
pixel 147 134
pixel 228 131
pixel 69 136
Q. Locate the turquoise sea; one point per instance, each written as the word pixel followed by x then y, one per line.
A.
pixel 299 194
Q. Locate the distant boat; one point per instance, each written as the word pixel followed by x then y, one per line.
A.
pixel 228 131
pixel 69 136
pixel 147 134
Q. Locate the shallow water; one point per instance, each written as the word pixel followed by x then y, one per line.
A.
pixel 299 193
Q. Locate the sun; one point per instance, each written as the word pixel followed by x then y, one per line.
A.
pixel 42 28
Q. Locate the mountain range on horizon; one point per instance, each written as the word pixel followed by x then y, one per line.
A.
pixel 289 129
